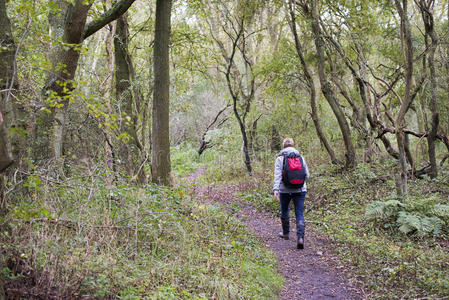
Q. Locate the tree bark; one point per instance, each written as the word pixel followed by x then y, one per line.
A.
pixel 311 86
pixel 408 152
pixel 110 15
pixel 124 77
pixel 326 87
pixel 160 152
pixel 7 60
pixel 406 99
pixel 108 145
pixel 426 8
pixel 275 141
pixel 70 24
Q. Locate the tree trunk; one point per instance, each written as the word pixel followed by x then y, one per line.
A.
pixel 408 152
pixel 406 100
pixel 361 86
pixel 7 61
pixel 160 138
pixel 426 8
pixel 275 142
pixel 447 75
pixel 109 160
pixel 244 139
pixel 327 90
pixel 69 23
pixel 312 90
pixel 7 58
pixel 124 75
pixel 240 81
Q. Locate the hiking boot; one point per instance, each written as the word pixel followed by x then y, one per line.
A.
pixel 283 235
pixel 300 228
pixel 285 228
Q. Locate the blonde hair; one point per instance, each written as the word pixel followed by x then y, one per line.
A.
pixel 288 142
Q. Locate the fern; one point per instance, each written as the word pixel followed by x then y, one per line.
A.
pixel 408 223
pixel 423 216
pixel 423 225
pixel 423 204
pixel 383 209
pixel 441 210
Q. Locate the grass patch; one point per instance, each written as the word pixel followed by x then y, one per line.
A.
pixel 87 240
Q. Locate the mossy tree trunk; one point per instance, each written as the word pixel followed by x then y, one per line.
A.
pixel 7 54
pixel 7 61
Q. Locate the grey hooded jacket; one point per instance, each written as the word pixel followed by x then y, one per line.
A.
pixel 278 185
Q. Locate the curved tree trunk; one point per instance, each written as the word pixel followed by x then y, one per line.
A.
pixel 160 151
pixel 327 90
pixel 244 139
pixel 70 24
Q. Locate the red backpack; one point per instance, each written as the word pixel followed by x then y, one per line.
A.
pixel 293 171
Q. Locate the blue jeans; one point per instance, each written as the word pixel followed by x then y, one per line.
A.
pixel 298 201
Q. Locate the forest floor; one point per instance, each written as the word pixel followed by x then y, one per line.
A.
pixel 311 273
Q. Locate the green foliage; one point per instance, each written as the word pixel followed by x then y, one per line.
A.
pixel 422 225
pixel 120 241
pixel 261 199
pixel 419 215
pixel 393 245
pixel 384 210
pixel 184 159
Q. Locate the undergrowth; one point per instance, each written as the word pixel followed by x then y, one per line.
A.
pixel 79 237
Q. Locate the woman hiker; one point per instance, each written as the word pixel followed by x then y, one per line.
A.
pixel 290 174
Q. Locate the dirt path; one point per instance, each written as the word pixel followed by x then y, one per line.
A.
pixel 311 273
